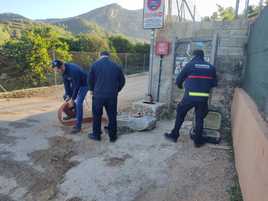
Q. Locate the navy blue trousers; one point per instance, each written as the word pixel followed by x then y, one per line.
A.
pixel 110 105
pixel 79 106
pixel 201 111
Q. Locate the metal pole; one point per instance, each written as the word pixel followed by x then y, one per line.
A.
pixel 169 18
pixel 246 8
pixel 189 9
pixel 151 62
pixel 55 73
pixel 194 13
pixel 3 88
pixel 159 79
pixel 126 55
pixel 261 5
pixel 237 8
pixel 179 12
pixel 144 60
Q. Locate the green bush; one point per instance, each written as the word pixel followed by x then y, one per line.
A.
pixel 31 53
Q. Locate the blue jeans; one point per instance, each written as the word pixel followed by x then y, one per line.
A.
pixel 79 106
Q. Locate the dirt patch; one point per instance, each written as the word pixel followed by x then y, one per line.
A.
pixel 26 176
pixel 4 138
pixel 75 199
pixel 55 161
pixel 5 198
pixel 116 161
pixel 4 131
pixel 19 125
pixel 32 121
pixel 41 185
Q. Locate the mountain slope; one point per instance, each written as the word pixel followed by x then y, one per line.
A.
pixel 112 18
pixel 11 16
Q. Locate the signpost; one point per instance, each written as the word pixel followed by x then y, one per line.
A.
pixel 153 18
pixel 162 49
pixel 153 14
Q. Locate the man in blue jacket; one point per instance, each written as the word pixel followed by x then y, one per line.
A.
pixel 75 85
pixel 199 77
pixel 106 80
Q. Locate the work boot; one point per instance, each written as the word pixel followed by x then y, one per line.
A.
pixel 171 137
pixel 199 142
pixel 95 137
pixel 75 130
pixel 113 139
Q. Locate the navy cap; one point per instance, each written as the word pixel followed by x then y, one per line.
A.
pixel 199 53
pixel 56 63
pixel 105 53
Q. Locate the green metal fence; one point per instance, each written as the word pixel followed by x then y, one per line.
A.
pixel 255 80
pixel 10 72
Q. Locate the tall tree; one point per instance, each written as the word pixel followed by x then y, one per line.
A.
pixel 31 53
pixel 223 14
pixel 121 44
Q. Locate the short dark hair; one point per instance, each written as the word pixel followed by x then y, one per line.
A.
pixel 105 53
pixel 198 53
pixel 56 63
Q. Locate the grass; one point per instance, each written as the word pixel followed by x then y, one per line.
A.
pixel 235 191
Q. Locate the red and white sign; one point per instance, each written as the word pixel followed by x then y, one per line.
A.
pixel 162 48
pixel 153 14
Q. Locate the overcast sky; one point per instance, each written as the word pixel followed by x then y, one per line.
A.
pixel 36 9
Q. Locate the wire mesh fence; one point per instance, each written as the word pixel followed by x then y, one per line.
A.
pixel 255 80
pixel 10 72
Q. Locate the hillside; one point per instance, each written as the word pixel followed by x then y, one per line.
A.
pixel 4 34
pixel 11 16
pixel 112 18
pixel 78 25
pixel 14 27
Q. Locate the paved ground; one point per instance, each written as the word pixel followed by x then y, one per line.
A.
pixel 39 161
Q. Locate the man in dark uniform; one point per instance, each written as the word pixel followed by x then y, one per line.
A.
pixel 198 77
pixel 106 80
pixel 75 85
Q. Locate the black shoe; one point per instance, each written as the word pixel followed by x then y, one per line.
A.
pixel 67 118
pixel 199 143
pixel 75 130
pixel 113 139
pixel 94 137
pixel 171 137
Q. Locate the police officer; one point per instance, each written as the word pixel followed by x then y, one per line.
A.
pixel 75 85
pixel 106 80
pixel 198 77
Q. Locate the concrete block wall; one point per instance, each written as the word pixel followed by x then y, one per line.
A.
pixel 230 60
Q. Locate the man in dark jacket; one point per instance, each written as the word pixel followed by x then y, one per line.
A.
pixel 75 85
pixel 199 77
pixel 106 80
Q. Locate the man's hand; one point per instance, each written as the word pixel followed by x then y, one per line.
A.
pixel 66 98
pixel 70 103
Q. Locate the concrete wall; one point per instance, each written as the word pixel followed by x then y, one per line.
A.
pixel 250 138
pixel 229 60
